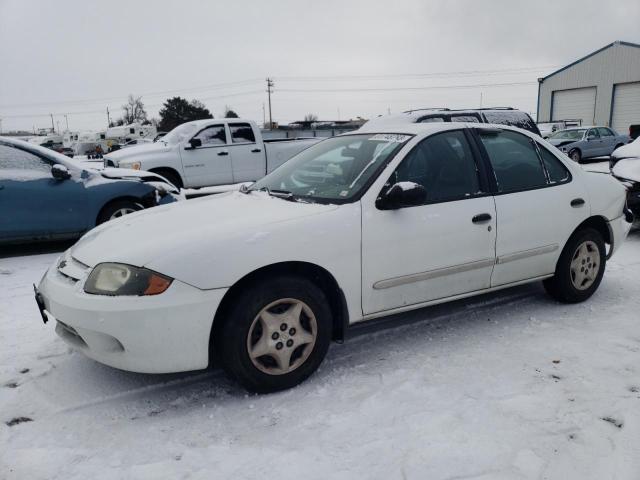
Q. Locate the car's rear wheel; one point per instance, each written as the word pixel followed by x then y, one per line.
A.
pixel 580 268
pixel 575 155
pixel 118 209
pixel 276 333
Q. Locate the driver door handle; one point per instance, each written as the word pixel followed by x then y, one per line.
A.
pixel 222 154
pixel 256 150
pixel 577 202
pixel 481 218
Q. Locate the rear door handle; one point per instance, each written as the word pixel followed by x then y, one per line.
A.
pixel 577 202
pixel 256 150
pixel 222 154
pixel 481 218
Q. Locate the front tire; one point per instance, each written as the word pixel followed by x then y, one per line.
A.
pixel 580 267
pixel 275 334
pixel 575 155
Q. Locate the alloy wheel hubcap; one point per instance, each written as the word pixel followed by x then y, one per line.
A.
pixel 121 212
pixel 282 336
pixel 585 265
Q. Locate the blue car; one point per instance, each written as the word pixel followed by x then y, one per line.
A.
pixel 45 196
pixel 580 143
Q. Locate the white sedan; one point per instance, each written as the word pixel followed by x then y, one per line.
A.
pixel 355 227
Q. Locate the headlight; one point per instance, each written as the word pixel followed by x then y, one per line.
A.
pixel 132 165
pixel 120 279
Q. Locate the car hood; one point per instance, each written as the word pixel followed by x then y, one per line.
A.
pixel 138 151
pixel 158 233
pixel 559 142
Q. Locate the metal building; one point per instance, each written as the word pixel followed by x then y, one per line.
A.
pixel 602 88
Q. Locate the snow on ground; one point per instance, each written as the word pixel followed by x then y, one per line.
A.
pixel 510 385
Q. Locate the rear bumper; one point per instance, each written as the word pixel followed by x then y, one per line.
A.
pixel 619 228
pixel 156 334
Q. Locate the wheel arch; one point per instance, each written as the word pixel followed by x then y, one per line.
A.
pixel 317 274
pixel 170 170
pixel 601 225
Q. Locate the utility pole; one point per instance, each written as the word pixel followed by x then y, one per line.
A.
pixel 66 120
pixel 108 119
pixel 480 99
pixel 53 127
pixel 264 117
pixel 269 87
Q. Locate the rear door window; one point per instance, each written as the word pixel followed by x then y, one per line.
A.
pixel 242 133
pixel 434 119
pixel 513 118
pixel 605 132
pixel 465 118
pixel 515 161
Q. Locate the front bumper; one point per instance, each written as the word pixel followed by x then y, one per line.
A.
pixel 155 334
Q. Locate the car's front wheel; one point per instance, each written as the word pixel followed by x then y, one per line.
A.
pixel 580 268
pixel 575 155
pixel 275 334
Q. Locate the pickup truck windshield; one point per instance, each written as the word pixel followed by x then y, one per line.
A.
pixel 336 169
pixel 179 133
pixel 568 134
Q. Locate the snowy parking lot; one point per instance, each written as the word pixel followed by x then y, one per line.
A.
pixel 507 385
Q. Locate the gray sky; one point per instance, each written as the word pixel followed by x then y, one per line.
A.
pixel 327 57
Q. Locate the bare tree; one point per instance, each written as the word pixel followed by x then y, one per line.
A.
pixel 311 117
pixel 133 110
pixel 229 113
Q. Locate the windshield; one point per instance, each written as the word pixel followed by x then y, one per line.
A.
pixel 335 169
pixel 179 133
pixel 568 134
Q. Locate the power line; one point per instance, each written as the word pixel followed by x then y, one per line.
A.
pixel 148 94
pixel 417 75
pixel 396 89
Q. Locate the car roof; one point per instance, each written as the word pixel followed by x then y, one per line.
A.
pixel 429 127
pixel 412 116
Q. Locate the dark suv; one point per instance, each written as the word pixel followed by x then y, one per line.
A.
pixel 498 115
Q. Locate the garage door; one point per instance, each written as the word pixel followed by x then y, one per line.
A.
pixel 626 107
pixel 578 103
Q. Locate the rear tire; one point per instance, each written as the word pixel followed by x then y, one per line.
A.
pixel 170 175
pixel 275 334
pixel 118 209
pixel 580 267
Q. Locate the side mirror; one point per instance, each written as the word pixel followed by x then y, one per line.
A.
pixel 60 172
pixel 195 143
pixel 402 194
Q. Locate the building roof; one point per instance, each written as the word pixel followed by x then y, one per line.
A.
pixel 617 42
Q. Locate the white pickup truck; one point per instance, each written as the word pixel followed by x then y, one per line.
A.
pixel 210 152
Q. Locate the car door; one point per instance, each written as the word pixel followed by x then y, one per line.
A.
pixel 538 205
pixel 442 248
pixel 592 146
pixel 608 140
pixel 33 204
pixel 248 159
pixel 210 162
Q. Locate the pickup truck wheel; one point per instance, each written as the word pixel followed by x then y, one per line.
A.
pixel 276 333
pixel 118 209
pixel 575 155
pixel 170 175
pixel 580 268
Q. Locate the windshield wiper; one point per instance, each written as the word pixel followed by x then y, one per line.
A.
pixel 284 194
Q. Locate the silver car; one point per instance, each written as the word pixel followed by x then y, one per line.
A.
pixel 580 143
